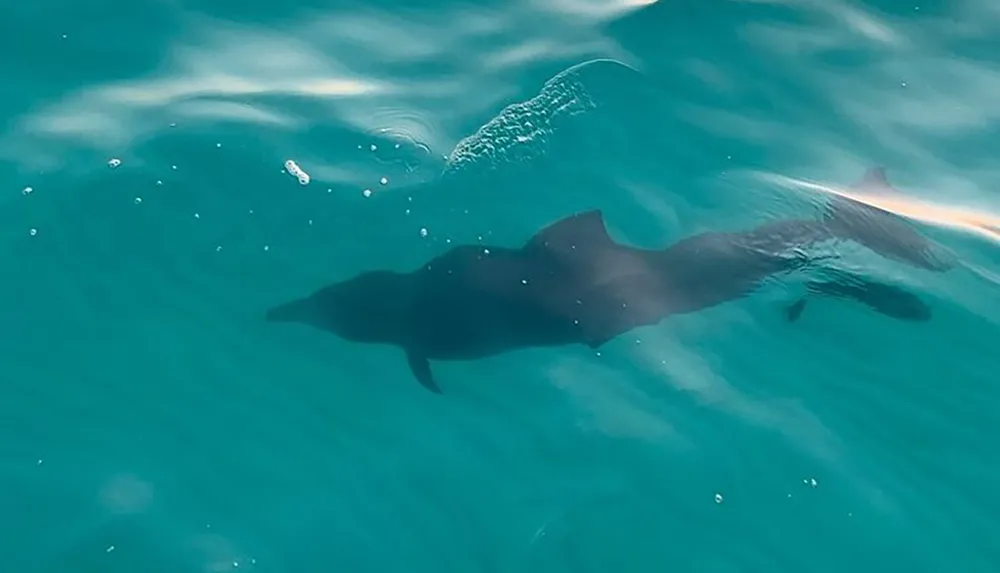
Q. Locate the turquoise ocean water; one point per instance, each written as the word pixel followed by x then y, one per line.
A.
pixel 151 420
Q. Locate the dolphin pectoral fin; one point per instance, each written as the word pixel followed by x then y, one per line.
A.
pixel 421 369
pixel 793 312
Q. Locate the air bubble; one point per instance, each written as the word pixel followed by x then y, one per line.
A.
pixel 297 172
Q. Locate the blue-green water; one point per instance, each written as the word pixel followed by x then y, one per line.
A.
pixel 151 420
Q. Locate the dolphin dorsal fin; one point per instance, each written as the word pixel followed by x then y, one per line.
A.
pixel 583 231
pixel 875 181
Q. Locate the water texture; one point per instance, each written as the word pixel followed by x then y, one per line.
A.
pixel 151 420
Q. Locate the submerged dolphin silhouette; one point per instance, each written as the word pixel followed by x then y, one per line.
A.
pixel 884 298
pixel 570 283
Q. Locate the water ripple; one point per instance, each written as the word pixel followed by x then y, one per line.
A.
pixel 156 422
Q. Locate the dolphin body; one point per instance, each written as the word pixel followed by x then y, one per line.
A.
pixel 571 283
pixel 885 233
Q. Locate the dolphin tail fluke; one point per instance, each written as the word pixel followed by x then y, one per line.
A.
pixel 421 369
pixel 794 311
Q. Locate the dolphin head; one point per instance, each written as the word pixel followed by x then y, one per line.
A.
pixel 367 308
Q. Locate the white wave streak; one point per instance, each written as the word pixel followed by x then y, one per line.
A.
pixel 911 100
pixel 973 221
pixel 352 63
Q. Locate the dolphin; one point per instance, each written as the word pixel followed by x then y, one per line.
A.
pixel 884 298
pixel 885 233
pixel 570 283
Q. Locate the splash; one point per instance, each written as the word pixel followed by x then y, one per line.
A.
pixel 220 71
pixel 525 131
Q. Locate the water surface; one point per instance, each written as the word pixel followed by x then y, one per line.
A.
pixel 153 421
